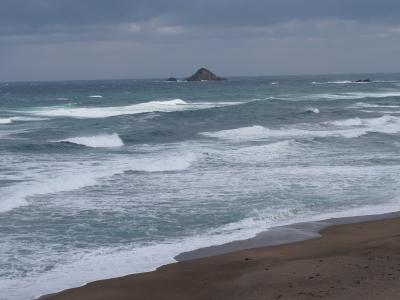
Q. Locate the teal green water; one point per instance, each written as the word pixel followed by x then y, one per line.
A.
pixel 105 178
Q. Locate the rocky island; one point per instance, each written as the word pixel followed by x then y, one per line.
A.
pixel 203 74
pixel 362 80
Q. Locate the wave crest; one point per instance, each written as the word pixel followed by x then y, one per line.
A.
pixel 313 110
pixel 66 177
pixel 19 119
pixel 369 105
pixel 349 128
pixel 97 141
pixel 347 96
pixel 140 108
pixel 105 112
pixel 5 120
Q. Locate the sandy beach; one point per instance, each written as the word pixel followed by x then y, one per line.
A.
pixel 353 261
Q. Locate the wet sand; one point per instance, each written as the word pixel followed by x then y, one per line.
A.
pixel 353 261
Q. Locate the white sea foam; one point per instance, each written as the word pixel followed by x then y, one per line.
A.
pixel 65 177
pixel 353 82
pixel 312 110
pixel 257 133
pixel 384 112
pixel 343 82
pixel 369 105
pixel 105 112
pixel 97 141
pixel 349 96
pixel 334 82
pixel 244 133
pixel 386 120
pixel 19 119
pixel 5 121
pixel 356 127
pixel 349 128
pixel 103 263
pixel 348 122
pixel 361 95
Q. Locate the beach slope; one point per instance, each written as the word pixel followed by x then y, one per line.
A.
pixel 355 261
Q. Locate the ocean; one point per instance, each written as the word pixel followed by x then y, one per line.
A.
pixel 100 179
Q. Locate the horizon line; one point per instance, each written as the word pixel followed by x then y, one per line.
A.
pixel 160 78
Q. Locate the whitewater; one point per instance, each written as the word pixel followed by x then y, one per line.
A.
pixel 100 179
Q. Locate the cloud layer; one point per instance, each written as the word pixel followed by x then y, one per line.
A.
pixel 60 39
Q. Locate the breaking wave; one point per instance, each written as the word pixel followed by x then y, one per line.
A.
pixel 350 128
pixel 384 124
pixel 97 141
pixel 369 105
pixel 335 82
pixel 19 119
pixel 5 120
pixel 349 96
pixel 255 133
pixel 348 122
pixel 313 110
pixel 66 177
pixel 353 82
pixel 105 112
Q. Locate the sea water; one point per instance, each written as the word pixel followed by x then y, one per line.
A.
pixel 105 178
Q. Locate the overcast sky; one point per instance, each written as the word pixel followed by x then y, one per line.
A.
pixel 95 39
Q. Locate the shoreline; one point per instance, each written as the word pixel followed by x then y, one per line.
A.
pixel 281 235
pixel 275 237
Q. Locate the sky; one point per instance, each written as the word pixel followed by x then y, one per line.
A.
pixel 106 39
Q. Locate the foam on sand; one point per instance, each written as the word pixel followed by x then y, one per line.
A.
pixel 97 141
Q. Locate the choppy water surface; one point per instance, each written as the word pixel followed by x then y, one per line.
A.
pixel 105 178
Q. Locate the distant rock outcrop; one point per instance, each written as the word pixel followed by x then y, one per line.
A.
pixel 204 75
pixel 363 80
pixel 172 79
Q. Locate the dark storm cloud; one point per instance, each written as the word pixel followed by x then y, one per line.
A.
pixel 47 16
pixel 87 39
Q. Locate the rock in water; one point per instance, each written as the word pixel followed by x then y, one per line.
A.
pixel 204 75
pixel 172 79
pixel 363 80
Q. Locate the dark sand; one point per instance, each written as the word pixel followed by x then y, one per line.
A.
pixel 355 261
